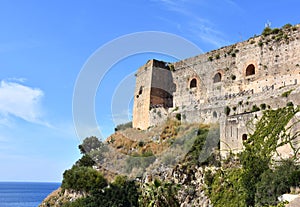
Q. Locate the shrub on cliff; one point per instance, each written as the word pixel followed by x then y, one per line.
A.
pixel 85 161
pixel 85 179
pixel 159 194
pixel 121 192
pixel 123 126
pixel 89 144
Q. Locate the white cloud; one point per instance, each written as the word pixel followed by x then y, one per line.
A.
pixel 176 6
pixel 205 30
pixel 195 24
pixel 20 101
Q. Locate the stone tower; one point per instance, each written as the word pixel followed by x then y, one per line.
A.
pixel 154 89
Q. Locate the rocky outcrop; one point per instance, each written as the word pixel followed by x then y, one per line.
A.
pixel 192 186
pixel 58 197
pixel 295 202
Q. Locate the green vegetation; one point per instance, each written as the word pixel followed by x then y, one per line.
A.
pixel 255 108
pixel 276 34
pixel 255 180
pixel 123 126
pixel 251 178
pixel 139 162
pixel 263 106
pixel 92 149
pixel 178 117
pixel 287 26
pixel 225 188
pixel 100 193
pixel 121 192
pixel 201 150
pixel 90 144
pixel 287 93
pixel 83 179
pixel 85 161
pixel 159 194
pixel 268 30
pixel 171 67
pixel 259 148
pixel 175 109
pixel 275 182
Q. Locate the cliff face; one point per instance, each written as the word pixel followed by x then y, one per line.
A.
pixel 160 153
pixel 59 197
pixel 184 161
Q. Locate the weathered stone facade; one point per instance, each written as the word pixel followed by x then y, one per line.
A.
pixel 231 85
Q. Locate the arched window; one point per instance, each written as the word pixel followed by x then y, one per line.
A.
pixel 217 78
pixel 250 70
pixel 193 83
pixel 244 137
pixel 215 115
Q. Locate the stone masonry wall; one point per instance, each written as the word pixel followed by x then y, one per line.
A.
pixel 242 77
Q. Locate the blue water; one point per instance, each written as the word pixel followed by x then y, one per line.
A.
pixel 24 194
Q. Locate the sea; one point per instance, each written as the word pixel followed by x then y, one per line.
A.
pixel 24 194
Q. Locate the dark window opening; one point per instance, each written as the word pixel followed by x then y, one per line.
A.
pixel 141 90
pixel 217 78
pixel 250 70
pixel 215 115
pixel 193 83
pixel 244 137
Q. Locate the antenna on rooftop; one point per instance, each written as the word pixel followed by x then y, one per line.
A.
pixel 268 24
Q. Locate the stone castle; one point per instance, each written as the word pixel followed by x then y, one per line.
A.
pixel 231 85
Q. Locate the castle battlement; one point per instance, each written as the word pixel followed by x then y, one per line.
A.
pixel 230 85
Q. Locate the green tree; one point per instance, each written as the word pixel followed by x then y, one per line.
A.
pixel 81 178
pixel 89 144
pixel 86 161
pixel 122 192
pixel 276 182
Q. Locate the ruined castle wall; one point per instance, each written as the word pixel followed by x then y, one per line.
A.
pixel 276 65
pixel 225 80
pixel 242 77
pixel 154 89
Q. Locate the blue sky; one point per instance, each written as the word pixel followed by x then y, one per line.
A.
pixel 45 44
